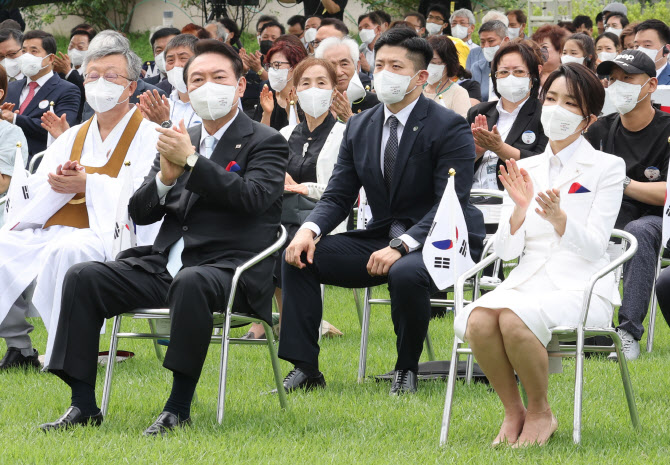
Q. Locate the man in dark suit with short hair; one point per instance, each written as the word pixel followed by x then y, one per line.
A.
pixel 218 190
pixel 32 96
pixel 401 153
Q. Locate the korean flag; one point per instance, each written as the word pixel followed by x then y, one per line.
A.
pixel 446 252
pixel 18 195
pixel 666 218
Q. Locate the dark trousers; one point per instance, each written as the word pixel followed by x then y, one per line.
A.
pixel 94 291
pixel 341 260
pixel 638 273
pixel 663 293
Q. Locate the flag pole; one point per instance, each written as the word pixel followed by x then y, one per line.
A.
pixel 452 217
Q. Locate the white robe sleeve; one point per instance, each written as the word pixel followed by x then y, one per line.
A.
pixel 509 246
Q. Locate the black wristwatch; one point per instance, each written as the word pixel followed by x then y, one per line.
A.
pixel 166 124
pixel 399 245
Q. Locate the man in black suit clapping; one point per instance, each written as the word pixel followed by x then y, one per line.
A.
pixel 218 190
pixel 401 153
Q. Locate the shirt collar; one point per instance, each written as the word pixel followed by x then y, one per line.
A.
pixel 41 81
pixel 567 153
pixel 219 134
pixel 515 112
pixel 402 115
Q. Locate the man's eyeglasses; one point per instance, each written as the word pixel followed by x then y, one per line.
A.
pixel 275 65
pixel 14 54
pixel 315 43
pixel 436 18
pixel 111 77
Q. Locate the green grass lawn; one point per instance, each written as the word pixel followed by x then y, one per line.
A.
pixel 345 423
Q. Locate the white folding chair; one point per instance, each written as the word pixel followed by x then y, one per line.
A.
pixel 653 303
pixel 221 320
pixel 368 301
pixel 35 159
pixel 563 333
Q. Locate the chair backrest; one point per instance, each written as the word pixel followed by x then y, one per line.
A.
pixel 36 157
pixel 620 243
pixel 491 212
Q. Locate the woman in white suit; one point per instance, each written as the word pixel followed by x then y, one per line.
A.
pixel 558 217
pixel 314 145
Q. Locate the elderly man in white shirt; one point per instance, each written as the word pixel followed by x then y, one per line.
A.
pixel 168 111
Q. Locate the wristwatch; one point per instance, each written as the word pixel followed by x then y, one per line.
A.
pixel 260 71
pixel 397 243
pixel 626 182
pixel 190 161
pixel 166 124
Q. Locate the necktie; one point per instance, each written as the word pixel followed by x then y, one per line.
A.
pixel 174 256
pixel 32 85
pixel 390 155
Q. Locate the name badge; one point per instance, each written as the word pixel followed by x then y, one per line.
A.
pixel 652 173
pixel 528 137
pixel 43 104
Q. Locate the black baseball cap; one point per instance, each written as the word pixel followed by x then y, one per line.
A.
pixel 631 62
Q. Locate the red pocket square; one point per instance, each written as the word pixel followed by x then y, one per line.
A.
pixel 577 188
pixel 233 167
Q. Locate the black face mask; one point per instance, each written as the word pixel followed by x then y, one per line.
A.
pixel 266 45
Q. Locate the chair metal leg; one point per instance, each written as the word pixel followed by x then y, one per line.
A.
pixel 362 359
pixel 449 399
pixel 275 365
pixel 359 305
pixel 157 346
pixel 323 297
pixel 223 369
pixel 111 361
pixel 429 347
pixel 625 378
pixel 469 368
pixel 579 386
pixel 652 311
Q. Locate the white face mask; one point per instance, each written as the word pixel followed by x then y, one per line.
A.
pixel 225 37
pixel 310 34
pixel 513 88
pixel 460 32
pixel 76 56
pixel 278 78
pixel 651 53
pixel 355 89
pixel 367 35
pixel 103 95
pixel 212 101
pixel 433 28
pixel 489 52
pixel 435 73
pixel 570 59
pixel 160 62
pixel 176 77
pixel 616 32
pixel 31 65
pixel 513 32
pixel 625 95
pixel 391 87
pixel 12 66
pixel 314 101
pixel 607 56
pixel 559 123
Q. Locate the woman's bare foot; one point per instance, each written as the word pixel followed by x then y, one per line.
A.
pixel 537 428
pixel 510 429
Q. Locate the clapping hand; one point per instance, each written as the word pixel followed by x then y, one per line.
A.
pixel 69 178
pixel 517 183
pixel 341 105
pixel 550 209
pixel 62 63
pixel 53 124
pixel 154 106
pixel 485 139
pixel 267 102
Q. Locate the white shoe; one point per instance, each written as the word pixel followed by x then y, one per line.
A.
pixel 629 346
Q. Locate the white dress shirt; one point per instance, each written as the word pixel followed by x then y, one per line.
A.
pixel 660 70
pixel 182 111
pixel 560 159
pixel 402 116
pixel 486 176
pixel 24 92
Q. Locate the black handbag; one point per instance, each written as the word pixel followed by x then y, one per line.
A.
pixel 296 208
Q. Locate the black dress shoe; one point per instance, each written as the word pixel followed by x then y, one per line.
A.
pixel 71 418
pixel 403 382
pixel 165 423
pixel 297 379
pixel 14 359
